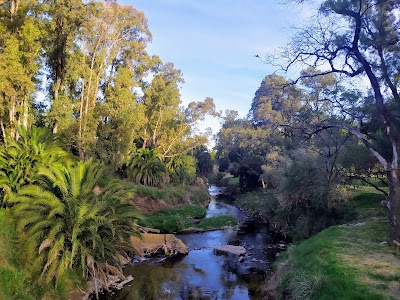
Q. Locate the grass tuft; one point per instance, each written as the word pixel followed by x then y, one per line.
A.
pixel 217 222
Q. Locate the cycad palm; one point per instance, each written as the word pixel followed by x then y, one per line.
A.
pixel 69 225
pixel 148 167
pixel 20 160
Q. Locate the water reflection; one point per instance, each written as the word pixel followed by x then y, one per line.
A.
pixel 205 273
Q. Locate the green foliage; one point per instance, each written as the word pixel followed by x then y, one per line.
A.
pixel 20 50
pixel 198 195
pixel 297 219
pixel 170 127
pixel 70 225
pixel 20 160
pixel 260 203
pixel 148 168
pixel 17 281
pixel 185 210
pixel 182 169
pixel 176 219
pixel 217 222
pixel 205 163
pixel 116 133
pixel 173 219
pixel 275 102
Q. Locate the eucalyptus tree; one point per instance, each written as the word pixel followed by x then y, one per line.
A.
pixel 104 51
pixel 63 21
pixel 169 127
pixel 361 39
pixel 245 147
pixel 20 49
pixel 118 128
pixel 275 102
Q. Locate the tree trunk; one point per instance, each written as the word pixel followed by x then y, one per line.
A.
pixel 25 115
pixel 11 117
pixel 393 205
pixel 55 100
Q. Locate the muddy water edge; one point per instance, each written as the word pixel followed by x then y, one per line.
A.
pixel 206 273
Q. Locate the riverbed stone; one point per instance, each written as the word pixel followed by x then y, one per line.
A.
pixel 149 244
pixel 238 250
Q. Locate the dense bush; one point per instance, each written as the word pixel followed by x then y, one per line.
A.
pixel 148 168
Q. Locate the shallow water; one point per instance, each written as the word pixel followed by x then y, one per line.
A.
pixel 206 273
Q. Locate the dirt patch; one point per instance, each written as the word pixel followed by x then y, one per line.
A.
pixel 270 288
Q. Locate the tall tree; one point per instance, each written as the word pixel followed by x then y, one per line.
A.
pixel 170 127
pixel 64 21
pixel 361 38
pixel 108 36
pixel 275 102
pixel 19 63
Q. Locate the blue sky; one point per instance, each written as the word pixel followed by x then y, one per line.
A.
pixel 213 42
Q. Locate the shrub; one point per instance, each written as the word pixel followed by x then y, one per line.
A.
pixel 147 167
pixel 68 225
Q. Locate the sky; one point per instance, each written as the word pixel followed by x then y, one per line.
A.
pixel 214 43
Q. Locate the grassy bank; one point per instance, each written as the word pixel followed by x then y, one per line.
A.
pixel 16 281
pixel 196 194
pixel 350 261
pixel 179 218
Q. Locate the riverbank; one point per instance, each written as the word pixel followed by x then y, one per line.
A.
pixel 350 261
pixel 185 218
pixel 149 200
pixel 19 279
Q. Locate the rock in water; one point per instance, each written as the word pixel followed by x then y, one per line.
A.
pixel 238 250
pixel 149 244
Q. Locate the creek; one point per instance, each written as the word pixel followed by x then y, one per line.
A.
pixel 207 273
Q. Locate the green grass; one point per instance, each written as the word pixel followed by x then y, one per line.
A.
pixel 165 223
pixel 197 195
pixel 164 193
pixel 176 219
pixel 16 282
pixel 368 204
pixel 344 262
pixel 186 211
pixel 368 200
pixel 217 222
pixel 173 219
pixel 332 265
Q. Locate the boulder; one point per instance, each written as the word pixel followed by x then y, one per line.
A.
pixel 149 244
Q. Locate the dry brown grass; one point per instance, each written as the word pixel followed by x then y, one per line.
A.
pixel 377 263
